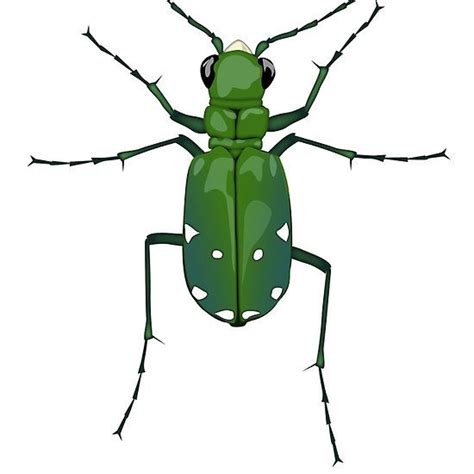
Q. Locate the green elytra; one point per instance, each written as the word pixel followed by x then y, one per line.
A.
pixel 237 232
pixel 237 222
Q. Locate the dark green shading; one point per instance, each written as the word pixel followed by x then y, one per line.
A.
pixel 282 121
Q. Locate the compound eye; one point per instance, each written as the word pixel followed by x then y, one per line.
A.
pixel 268 72
pixel 207 70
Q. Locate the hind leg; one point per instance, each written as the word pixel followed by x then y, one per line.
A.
pixel 325 267
pixel 153 239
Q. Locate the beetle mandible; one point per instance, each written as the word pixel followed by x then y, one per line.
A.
pixel 239 269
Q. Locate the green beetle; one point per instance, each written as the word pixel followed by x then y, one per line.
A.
pixel 237 219
pixel 237 231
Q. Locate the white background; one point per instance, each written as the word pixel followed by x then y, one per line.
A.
pixel 217 399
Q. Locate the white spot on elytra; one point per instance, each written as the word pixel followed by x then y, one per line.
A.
pixel 198 293
pixel 284 232
pixel 217 254
pixel 258 255
pixel 189 233
pixel 227 314
pixel 249 314
pixel 276 293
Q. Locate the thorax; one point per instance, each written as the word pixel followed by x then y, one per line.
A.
pixel 236 129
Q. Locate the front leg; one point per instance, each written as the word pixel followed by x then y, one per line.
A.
pixel 282 121
pixel 196 124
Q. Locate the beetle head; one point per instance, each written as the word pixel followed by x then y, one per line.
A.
pixel 237 78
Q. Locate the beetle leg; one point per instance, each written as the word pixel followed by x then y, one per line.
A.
pixel 325 267
pixel 291 139
pixel 153 239
pixel 281 121
pixel 196 124
pixel 181 140
pixel 216 41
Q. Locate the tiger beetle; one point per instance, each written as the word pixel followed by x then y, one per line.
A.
pixel 237 231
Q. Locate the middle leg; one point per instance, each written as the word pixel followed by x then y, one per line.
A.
pixel 292 139
pixel 180 140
